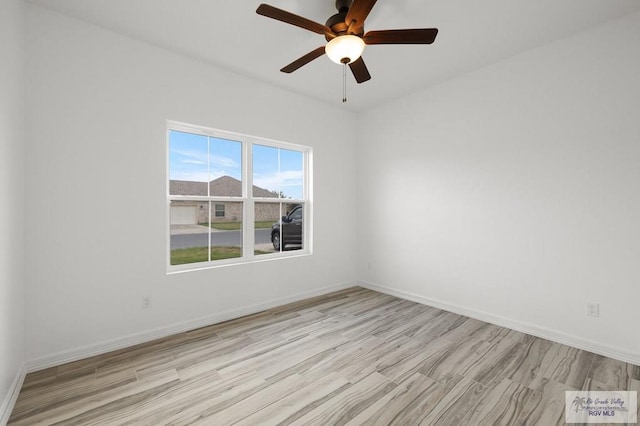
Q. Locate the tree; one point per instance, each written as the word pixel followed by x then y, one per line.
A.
pixel 279 194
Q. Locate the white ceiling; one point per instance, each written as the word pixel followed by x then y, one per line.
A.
pixel 230 34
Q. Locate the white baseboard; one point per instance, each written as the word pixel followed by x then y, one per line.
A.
pixel 146 336
pixel 12 396
pixel 534 330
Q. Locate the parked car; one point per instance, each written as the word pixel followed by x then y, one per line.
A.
pixel 288 231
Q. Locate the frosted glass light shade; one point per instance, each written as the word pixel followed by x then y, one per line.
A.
pixel 344 49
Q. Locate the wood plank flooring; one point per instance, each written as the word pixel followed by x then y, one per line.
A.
pixel 349 358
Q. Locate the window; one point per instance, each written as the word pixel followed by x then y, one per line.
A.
pixel 281 170
pixel 234 198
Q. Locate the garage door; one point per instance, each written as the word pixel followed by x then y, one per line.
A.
pixel 183 215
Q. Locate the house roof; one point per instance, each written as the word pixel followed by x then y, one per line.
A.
pixel 224 186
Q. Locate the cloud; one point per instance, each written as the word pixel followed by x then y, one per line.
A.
pixel 191 164
pixel 289 182
pixel 224 162
pixel 291 178
pixel 191 155
pixel 201 158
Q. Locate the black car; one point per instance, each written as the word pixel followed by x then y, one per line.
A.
pixel 291 234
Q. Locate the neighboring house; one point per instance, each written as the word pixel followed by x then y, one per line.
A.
pixel 194 212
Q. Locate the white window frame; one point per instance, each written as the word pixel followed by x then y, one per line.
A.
pixel 247 199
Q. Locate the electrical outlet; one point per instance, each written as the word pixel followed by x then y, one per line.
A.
pixel 146 302
pixel 593 310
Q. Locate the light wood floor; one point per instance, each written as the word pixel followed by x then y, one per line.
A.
pixel 351 357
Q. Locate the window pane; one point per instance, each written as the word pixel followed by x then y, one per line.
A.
pixel 267 235
pixel 278 227
pixel 193 241
pixel 277 172
pixel 292 233
pixel 188 164
pixel 225 167
pixel 291 174
pixel 265 171
pixel 189 232
pixel 226 232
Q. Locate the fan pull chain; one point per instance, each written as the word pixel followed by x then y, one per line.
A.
pixel 344 83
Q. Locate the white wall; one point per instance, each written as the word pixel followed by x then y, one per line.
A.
pixel 510 193
pixel 513 194
pixel 12 18
pixel 98 104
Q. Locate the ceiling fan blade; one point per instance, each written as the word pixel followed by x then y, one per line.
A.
pixel 304 60
pixel 415 36
pixel 359 70
pixel 290 18
pixel 358 12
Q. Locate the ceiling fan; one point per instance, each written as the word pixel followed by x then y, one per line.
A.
pixel 345 35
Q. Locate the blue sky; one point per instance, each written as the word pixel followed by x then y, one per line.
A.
pixel 202 159
pixel 189 157
pixel 278 170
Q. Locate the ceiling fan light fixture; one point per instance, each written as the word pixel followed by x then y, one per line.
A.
pixel 344 49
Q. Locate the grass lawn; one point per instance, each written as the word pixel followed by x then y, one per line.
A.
pixel 234 226
pixel 199 254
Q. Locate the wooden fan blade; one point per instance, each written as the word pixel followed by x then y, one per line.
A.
pixel 415 36
pixel 359 70
pixel 358 12
pixel 304 60
pixel 290 18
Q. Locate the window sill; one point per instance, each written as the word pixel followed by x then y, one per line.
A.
pixel 178 269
